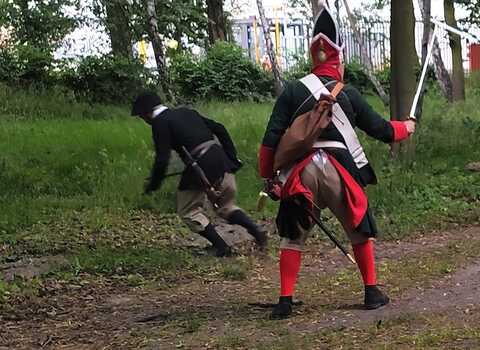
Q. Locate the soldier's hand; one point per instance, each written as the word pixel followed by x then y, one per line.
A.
pixel 239 163
pixel 410 124
pixel 273 188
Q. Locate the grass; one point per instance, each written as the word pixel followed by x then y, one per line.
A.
pixel 237 270
pixel 58 156
pixel 71 177
pixel 105 260
pixel 434 332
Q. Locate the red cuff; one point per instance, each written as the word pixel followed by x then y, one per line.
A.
pixel 265 162
pixel 400 131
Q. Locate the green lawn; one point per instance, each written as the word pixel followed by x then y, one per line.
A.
pixel 71 180
pixel 97 157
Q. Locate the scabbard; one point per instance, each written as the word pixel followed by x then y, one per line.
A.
pixel 209 189
pixel 328 233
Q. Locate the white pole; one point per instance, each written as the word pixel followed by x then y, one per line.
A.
pixel 424 73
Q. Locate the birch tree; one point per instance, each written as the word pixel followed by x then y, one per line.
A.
pixel 158 48
pixel 315 8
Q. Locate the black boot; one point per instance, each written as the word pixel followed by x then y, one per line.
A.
pixel 238 217
pixel 375 298
pixel 222 248
pixel 283 309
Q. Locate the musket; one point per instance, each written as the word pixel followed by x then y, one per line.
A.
pixel 212 194
pixel 261 203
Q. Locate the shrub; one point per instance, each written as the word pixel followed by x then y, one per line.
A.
pixel 354 74
pixel 299 70
pixel 224 73
pixel 473 84
pixel 108 79
pixel 25 66
pixel 8 66
pixel 383 76
pixel 186 74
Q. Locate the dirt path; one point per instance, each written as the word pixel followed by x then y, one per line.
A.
pixel 100 313
pixel 456 292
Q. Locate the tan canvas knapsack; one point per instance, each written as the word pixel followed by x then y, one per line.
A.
pixel 299 138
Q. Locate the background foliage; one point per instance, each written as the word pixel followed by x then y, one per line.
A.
pixel 223 73
pixel 108 79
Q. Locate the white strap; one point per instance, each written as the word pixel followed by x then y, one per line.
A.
pixel 340 120
pixel 311 82
pixel 329 144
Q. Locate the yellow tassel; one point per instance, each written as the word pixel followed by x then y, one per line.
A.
pixel 262 201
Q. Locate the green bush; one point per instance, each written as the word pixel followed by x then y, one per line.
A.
pixel 25 66
pixel 8 66
pixel 473 84
pixel 354 74
pixel 383 76
pixel 108 79
pixel 299 70
pixel 224 73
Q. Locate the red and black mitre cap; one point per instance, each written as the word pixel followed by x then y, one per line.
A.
pixel 326 27
pixel 145 103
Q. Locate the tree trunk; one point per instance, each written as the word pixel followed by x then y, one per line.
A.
pixel 216 21
pixel 158 49
pixel 441 72
pixel 270 51
pixel 365 58
pixel 315 8
pixel 403 62
pixel 117 24
pixel 337 14
pixel 426 13
pixel 458 75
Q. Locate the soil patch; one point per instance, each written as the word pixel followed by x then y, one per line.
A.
pixel 103 313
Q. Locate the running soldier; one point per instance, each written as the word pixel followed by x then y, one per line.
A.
pixel 334 173
pixel 211 161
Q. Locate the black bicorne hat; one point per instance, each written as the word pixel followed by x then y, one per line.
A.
pixel 145 103
pixel 326 27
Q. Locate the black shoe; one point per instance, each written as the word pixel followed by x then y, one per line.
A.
pixel 261 241
pixel 262 244
pixel 238 217
pixel 223 252
pixel 283 309
pixel 221 248
pixel 375 298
